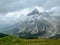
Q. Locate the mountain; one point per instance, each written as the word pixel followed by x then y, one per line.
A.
pixel 36 23
pixel 3 35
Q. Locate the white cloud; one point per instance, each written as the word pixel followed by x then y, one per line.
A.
pixel 12 5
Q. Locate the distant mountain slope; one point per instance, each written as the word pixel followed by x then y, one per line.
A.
pixel 3 35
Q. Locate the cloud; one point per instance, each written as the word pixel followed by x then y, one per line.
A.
pixel 11 18
pixel 12 5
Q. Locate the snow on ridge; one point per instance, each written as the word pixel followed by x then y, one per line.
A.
pixel 40 9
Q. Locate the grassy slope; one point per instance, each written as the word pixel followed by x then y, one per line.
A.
pixel 9 40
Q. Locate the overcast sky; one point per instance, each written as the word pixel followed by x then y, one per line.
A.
pixel 12 5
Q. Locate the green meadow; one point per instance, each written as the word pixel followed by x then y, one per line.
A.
pixel 10 40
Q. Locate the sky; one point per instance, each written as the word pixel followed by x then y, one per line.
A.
pixel 12 5
pixel 10 10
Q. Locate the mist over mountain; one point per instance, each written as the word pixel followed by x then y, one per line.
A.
pixel 31 22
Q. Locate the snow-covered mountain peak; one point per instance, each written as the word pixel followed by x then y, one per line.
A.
pixel 40 9
pixel 33 12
